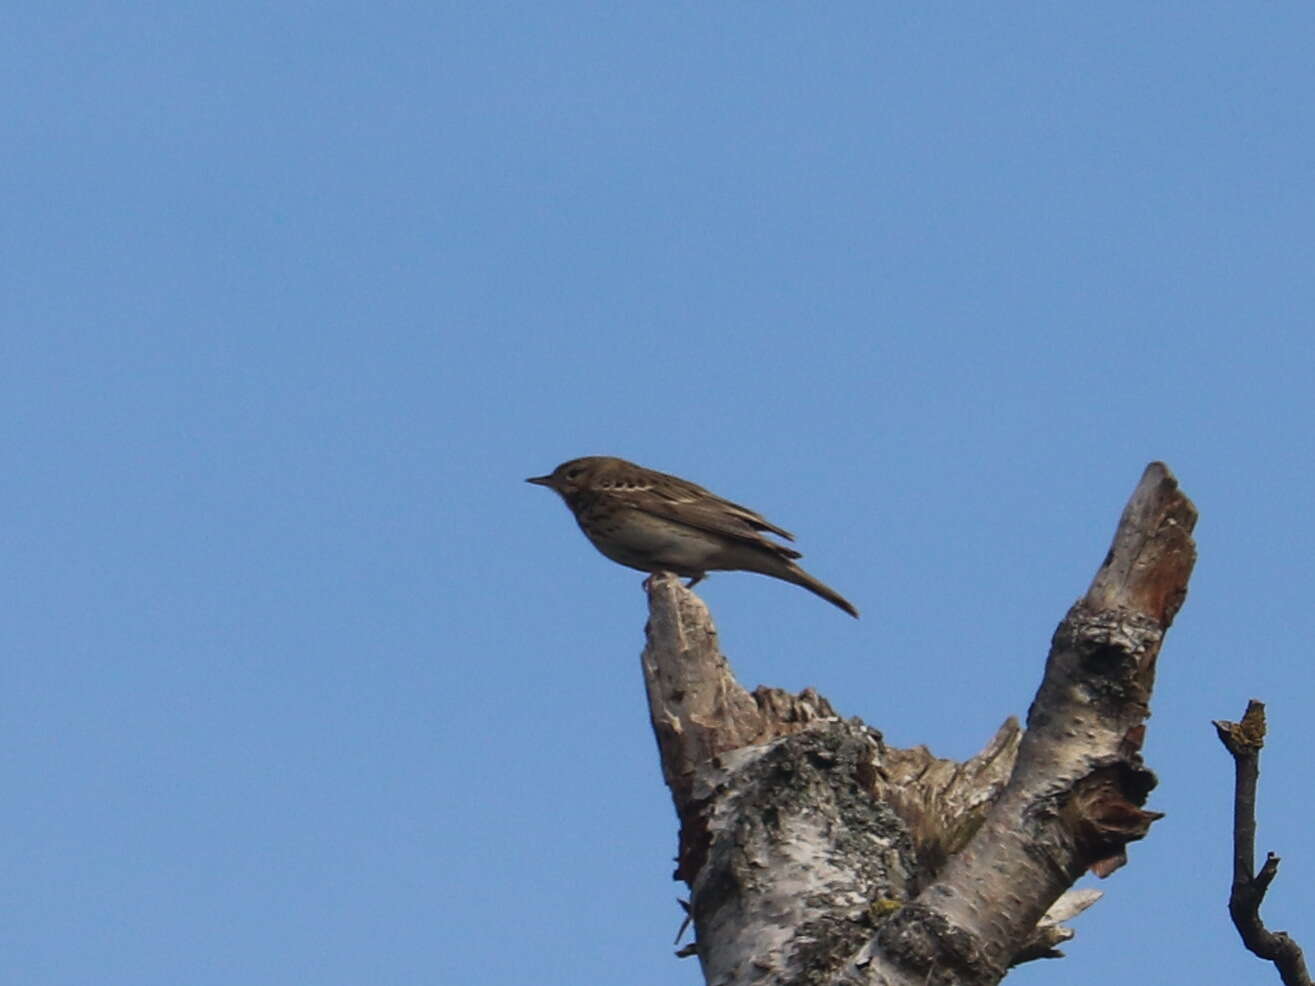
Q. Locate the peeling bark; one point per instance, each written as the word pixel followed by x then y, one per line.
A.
pixel 817 854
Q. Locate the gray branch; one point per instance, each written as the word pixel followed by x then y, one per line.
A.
pixel 1244 741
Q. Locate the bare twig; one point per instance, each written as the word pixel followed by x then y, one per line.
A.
pixel 1244 740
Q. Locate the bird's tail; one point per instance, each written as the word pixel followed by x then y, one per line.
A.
pixel 798 576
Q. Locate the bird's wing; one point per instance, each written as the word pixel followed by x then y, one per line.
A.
pixel 685 503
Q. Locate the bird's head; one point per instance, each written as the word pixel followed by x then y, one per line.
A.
pixel 573 476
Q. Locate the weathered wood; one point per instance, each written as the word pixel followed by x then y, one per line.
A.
pixel 817 854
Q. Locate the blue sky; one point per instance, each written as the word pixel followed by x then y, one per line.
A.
pixel 305 685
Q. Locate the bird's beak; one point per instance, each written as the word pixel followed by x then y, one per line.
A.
pixel 540 480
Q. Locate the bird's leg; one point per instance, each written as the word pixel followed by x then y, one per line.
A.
pixel 696 580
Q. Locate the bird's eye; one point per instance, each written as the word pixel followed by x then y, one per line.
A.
pixel 572 473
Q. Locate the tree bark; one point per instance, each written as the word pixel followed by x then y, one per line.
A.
pixel 815 853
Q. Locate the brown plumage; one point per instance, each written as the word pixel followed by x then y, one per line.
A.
pixel 660 523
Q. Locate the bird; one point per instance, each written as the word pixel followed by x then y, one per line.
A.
pixel 655 522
